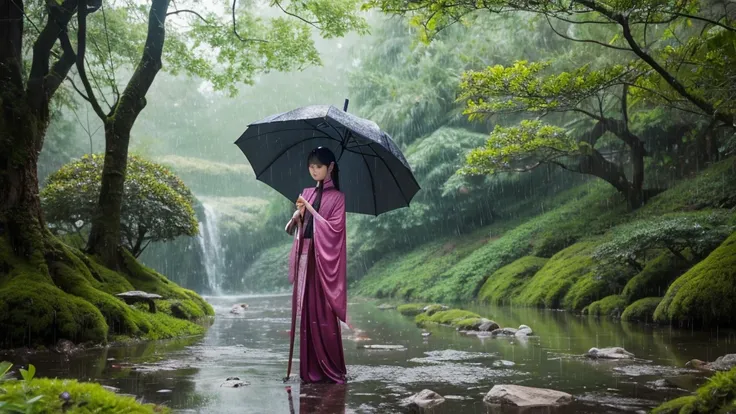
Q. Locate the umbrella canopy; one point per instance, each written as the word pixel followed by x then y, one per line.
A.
pixel 374 175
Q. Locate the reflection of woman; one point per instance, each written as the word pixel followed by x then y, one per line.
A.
pixel 317 268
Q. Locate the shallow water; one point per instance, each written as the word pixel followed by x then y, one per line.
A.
pixel 190 374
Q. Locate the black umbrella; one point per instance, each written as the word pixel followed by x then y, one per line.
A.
pixel 374 175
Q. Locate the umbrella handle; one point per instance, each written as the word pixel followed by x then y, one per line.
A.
pixel 345 105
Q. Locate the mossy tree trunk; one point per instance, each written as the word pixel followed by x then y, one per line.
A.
pixel 105 235
pixel 25 118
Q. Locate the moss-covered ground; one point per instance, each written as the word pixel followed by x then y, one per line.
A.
pixel 64 294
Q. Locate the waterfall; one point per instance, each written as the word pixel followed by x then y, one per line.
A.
pixel 209 242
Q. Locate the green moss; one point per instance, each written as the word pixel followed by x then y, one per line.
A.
pixel 508 280
pixel 705 294
pixel 468 323
pixel 446 317
pixel 655 277
pixel 67 295
pixel 411 309
pixel 85 398
pixel 641 310
pixel 714 187
pixel 609 306
pixel 718 395
pixel 550 284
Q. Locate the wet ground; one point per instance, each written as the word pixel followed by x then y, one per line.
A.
pixel 190 375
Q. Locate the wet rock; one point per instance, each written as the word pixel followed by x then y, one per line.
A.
pixel 488 326
pixel 609 353
pixel 425 399
pixel 386 347
pixel 723 363
pixel 238 309
pixel 111 389
pixel 386 306
pixel 662 383
pixel 432 309
pixel 65 346
pixel 521 396
pixel 524 331
pixel 504 332
pixel 452 355
pixel 503 364
pixel 234 382
pixel 164 391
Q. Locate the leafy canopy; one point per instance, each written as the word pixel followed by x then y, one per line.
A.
pixel 156 207
pixel 700 232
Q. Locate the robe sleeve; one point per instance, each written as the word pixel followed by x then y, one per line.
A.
pixel 331 252
pixel 295 246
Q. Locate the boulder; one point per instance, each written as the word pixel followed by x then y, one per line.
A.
pixel 488 326
pixel 723 363
pixel 425 399
pixel 504 332
pixel 386 306
pixel 609 353
pixel 524 331
pixel 521 396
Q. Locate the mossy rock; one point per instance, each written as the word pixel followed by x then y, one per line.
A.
pixel 508 280
pixel 469 324
pixel 84 398
pixel 570 279
pixel 656 276
pixel 642 310
pixel 411 309
pixel 67 295
pixel 705 294
pixel 718 395
pixel 434 308
pixel 610 306
pixel 446 317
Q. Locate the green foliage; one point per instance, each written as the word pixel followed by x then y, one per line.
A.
pixel 156 206
pixel 714 188
pixel 705 294
pixel 411 309
pixel 657 274
pixel 610 306
pixel 522 87
pixel 522 148
pixel 42 395
pixel 508 280
pixel 642 310
pixel 716 396
pixel 269 270
pixel 700 232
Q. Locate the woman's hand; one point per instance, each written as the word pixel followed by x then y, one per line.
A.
pixel 301 204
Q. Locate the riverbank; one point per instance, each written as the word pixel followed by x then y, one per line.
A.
pixel 192 374
pixel 75 300
pixel 666 262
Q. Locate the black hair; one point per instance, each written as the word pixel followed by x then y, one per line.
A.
pixel 324 156
pixel 320 156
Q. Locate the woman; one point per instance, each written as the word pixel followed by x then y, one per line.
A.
pixel 317 268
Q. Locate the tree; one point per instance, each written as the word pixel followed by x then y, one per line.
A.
pixel 675 54
pixel 583 91
pixel 658 35
pixel 157 206
pixel 212 46
pixel 700 232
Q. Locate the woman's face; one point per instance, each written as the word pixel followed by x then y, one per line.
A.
pixel 318 171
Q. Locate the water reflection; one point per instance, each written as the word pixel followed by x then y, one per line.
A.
pixel 322 398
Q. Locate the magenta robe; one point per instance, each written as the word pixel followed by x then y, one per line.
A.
pixel 318 269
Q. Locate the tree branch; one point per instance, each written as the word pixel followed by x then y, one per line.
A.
pixel 313 24
pixel 235 26
pixel 583 40
pixel 674 83
pixel 81 46
pixel 133 99
pixel 56 23
pixel 706 20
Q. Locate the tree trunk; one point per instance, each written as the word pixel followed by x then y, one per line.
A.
pixel 104 238
pixel 105 235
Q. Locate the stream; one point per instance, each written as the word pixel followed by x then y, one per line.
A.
pixel 189 375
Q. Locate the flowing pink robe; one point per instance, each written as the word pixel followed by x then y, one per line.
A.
pixel 317 269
